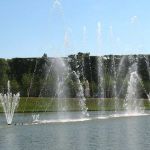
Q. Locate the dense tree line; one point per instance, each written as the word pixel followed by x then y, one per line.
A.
pixel 36 77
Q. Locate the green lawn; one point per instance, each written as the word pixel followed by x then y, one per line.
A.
pixel 34 104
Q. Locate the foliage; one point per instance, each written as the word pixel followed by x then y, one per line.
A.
pixel 36 77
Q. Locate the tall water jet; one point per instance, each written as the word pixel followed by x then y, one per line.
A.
pixel 114 86
pixel 9 102
pixel 78 71
pixel 80 95
pixel 101 89
pixel 120 83
pixel 62 71
pixel 133 104
pixel 99 35
pixel 60 94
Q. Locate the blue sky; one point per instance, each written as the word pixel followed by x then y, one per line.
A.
pixel 29 28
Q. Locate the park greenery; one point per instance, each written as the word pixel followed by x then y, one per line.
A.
pixel 45 104
pixel 35 79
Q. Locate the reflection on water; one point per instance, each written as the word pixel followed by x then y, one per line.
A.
pixel 120 133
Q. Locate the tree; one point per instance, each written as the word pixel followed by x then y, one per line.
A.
pixel 3 74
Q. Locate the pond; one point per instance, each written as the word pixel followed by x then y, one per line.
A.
pixel 112 133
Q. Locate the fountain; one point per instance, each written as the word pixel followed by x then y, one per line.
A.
pixel 101 89
pixel 78 73
pixel 60 94
pixel 35 117
pixel 120 86
pixel 9 102
pixel 123 75
pixel 61 70
pixel 133 104
pixel 80 95
pixel 114 87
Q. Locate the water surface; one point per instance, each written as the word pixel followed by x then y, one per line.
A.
pixel 121 133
